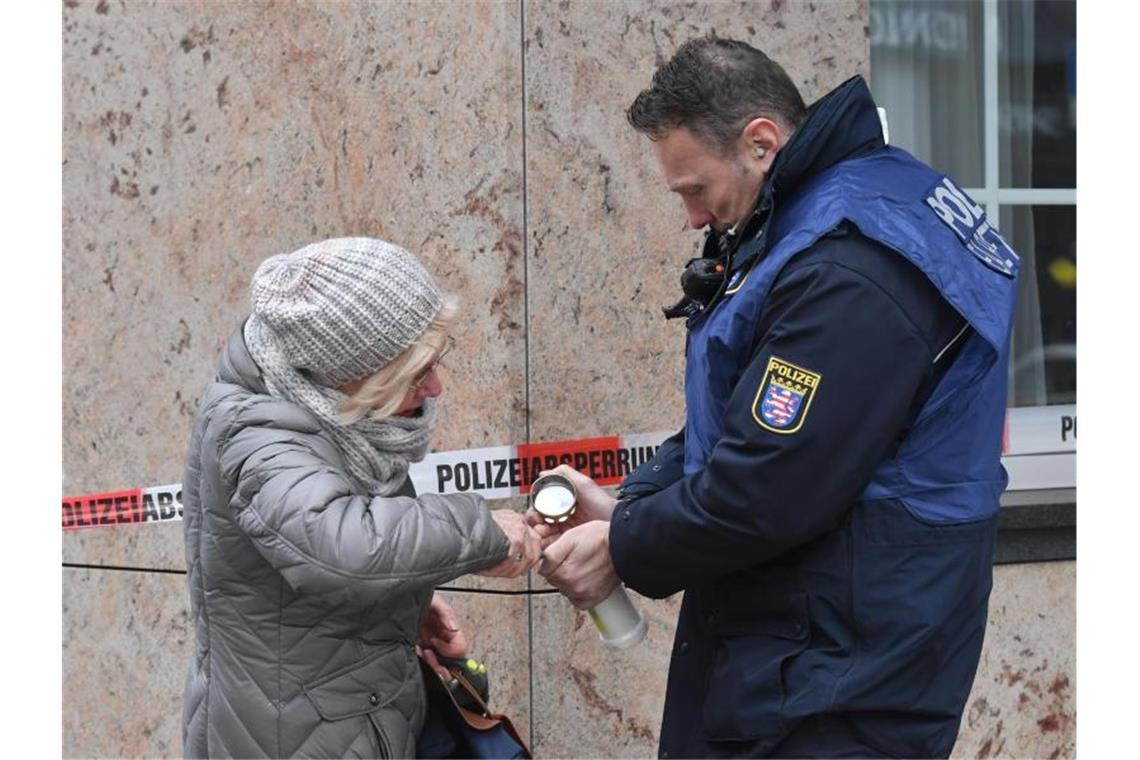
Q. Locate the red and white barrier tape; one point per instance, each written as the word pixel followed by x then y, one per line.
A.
pixel 138 506
pixel 495 472
pixel 1031 442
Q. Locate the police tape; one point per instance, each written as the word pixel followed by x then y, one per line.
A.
pixel 494 472
pixel 150 505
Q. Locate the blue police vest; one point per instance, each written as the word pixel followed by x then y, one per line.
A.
pixel 948 467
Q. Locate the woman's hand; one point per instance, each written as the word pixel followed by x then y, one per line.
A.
pixel 526 545
pixel 440 636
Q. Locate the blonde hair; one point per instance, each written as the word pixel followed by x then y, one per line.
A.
pixel 382 393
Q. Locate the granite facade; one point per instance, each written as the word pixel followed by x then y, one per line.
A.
pixel 1024 701
pixel 200 138
pixel 489 137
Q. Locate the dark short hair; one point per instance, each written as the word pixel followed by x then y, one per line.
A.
pixel 714 87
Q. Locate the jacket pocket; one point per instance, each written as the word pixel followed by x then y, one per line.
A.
pixel 745 693
pixel 368 690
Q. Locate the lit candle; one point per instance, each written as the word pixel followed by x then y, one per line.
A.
pixel 619 623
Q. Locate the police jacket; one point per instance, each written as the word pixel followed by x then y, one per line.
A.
pixel 829 508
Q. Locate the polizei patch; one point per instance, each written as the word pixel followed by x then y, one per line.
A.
pixel 966 218
pixel 784 397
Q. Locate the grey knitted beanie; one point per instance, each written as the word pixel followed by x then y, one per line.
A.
pixel 342 308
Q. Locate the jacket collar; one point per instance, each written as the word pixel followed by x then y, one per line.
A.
pixel 841 125
pixel 235 365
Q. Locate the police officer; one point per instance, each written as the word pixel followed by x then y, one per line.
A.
pixel 829 508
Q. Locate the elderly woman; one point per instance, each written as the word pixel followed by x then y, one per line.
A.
pixel 312 562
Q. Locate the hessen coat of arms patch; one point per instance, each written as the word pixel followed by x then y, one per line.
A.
pixel 784 396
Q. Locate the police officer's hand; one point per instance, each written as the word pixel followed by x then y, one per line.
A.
pixel 593 501
pixel 578 564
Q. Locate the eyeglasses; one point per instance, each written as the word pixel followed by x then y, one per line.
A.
pixel 423 376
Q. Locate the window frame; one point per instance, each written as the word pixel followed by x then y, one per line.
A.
pixel 1039 448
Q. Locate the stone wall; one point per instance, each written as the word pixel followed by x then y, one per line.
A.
pixel 489 137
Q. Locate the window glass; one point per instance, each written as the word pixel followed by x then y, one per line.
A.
pixel 1044 366
pixel 1037 94
pixel 926 71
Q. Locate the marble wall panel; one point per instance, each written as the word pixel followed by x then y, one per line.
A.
pixel 201 137
pixel 606 241
pixel 1024 700
pixel 590 701
pixel 127 642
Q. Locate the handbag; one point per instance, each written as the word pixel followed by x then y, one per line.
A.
pixel 453 730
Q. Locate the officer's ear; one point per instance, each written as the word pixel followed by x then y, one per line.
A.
pixel 760 141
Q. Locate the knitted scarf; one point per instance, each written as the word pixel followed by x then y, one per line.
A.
pixel 376 451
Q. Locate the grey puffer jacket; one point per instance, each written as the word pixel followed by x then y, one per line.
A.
pixel 306 596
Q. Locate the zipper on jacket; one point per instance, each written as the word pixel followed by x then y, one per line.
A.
pixel 381 737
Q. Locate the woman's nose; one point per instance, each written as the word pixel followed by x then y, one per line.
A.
pixel 432 385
